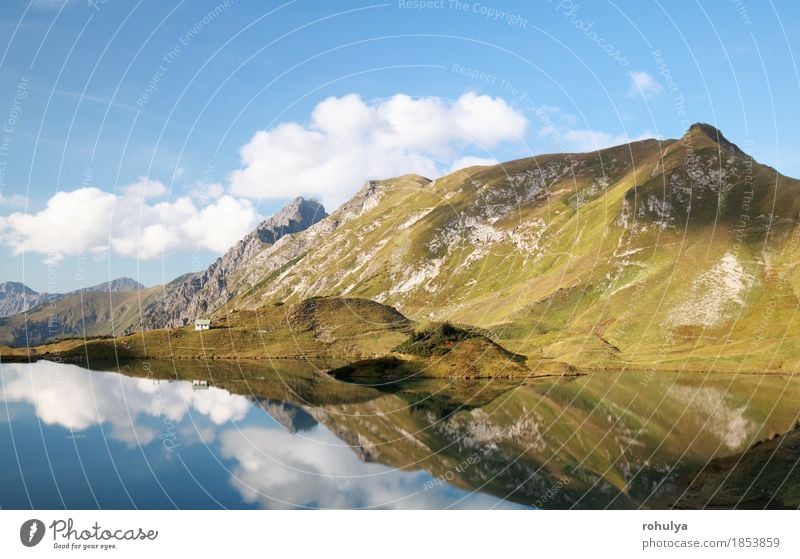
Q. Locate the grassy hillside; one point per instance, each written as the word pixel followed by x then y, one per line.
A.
pixel 678 255
pixel 317 328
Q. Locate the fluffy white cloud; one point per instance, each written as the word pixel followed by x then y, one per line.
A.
pixel 642 83
pixel 132 223
pixel 349 141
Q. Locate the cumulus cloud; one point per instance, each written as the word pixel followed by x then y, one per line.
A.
pixel 349 140
pixel 644 84
pixel 137 222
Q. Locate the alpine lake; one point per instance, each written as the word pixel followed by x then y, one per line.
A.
pixel 280 434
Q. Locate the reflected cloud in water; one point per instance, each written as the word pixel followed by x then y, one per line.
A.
pixel 317 471
pixel 159 444
pixel 76 399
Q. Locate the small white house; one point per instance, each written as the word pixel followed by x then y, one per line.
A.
pixel 199 384
pixel 202 324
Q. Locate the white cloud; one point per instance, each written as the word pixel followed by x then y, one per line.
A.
pixel 563 131
pixel 204 192
pixel 131 223
pixel 471 161
pixel 644 84
pixel 13 201
pixel 349 141
pixel 144 189
pixel 586 139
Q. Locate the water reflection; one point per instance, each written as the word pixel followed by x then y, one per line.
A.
pixel 73 398
pixel 99 439
pixel 256 436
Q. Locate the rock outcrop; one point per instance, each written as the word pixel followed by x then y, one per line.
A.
pixel 199 294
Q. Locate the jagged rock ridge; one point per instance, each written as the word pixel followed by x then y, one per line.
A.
pixel 199 294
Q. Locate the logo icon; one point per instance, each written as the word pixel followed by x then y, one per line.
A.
pixel 31 532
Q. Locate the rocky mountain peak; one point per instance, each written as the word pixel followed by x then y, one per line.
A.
pixel 297 215
pixel 200 293
pixel 701 134
pixel 117 285
pixel 15 288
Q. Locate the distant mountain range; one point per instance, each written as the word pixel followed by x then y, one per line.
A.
pixel 28 316
pixel 16 297
pixel 669 254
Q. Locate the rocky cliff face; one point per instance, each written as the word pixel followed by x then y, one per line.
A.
pixel 201 293
pixel 17 297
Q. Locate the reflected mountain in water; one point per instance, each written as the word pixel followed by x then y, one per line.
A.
pixel 618 440
pixel 294 418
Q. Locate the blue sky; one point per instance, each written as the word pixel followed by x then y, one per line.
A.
pixel 143 138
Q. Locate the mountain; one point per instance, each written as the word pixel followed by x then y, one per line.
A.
pixel 102 309
pixel 17 297
pixel 198 294
pixel 122 306
pixel 673 255
pixel 118 285
pixel 669 254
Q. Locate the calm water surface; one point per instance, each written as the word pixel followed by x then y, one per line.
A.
pixel 200 435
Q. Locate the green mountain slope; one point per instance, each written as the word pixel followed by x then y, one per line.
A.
pixel 676 254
